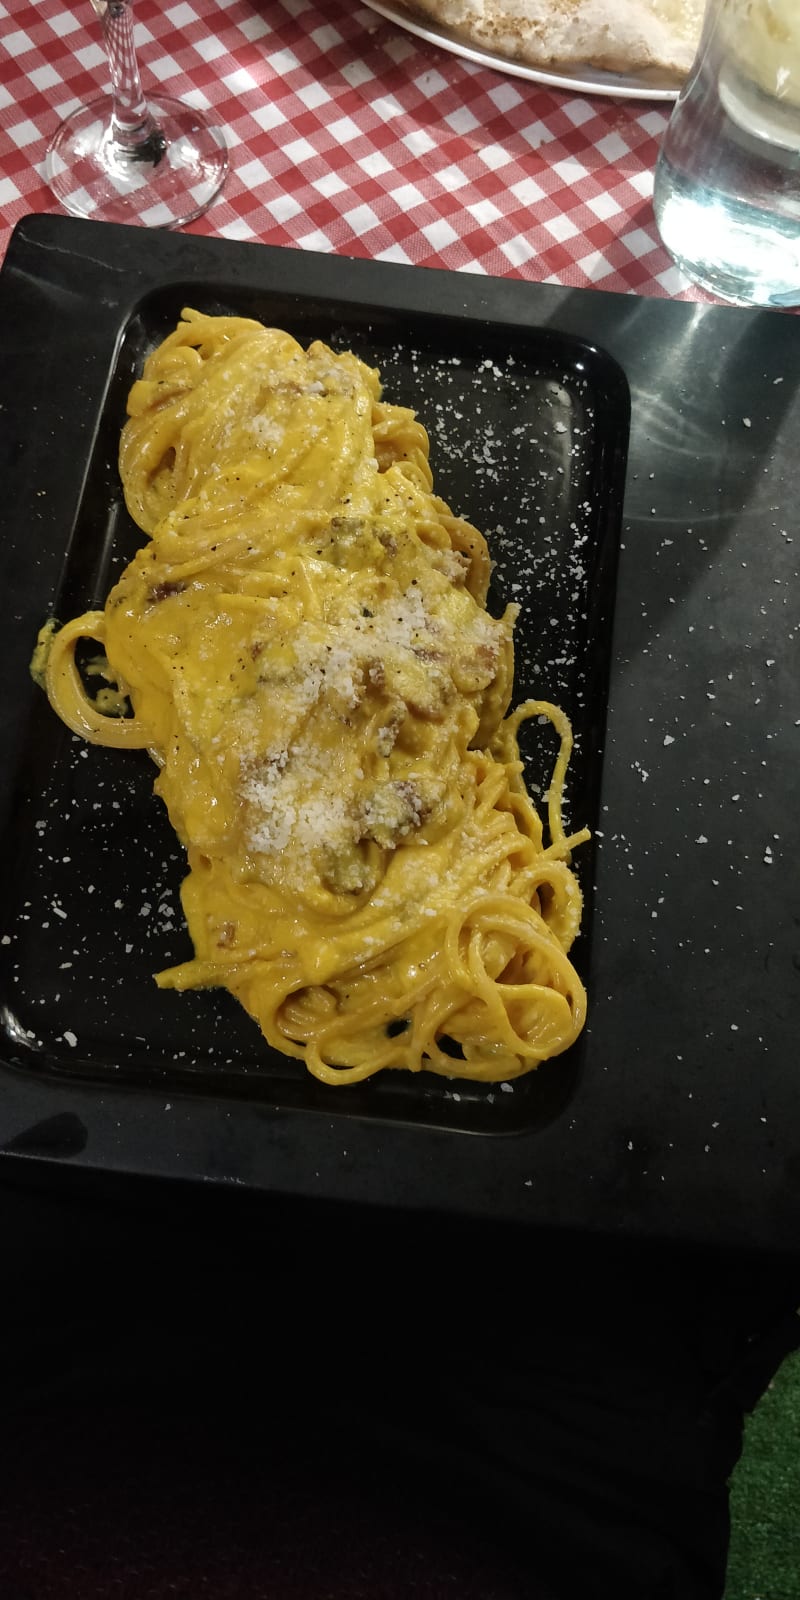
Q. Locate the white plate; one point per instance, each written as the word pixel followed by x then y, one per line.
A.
pixel 585 80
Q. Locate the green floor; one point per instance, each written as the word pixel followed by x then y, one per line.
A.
pixel 765 1497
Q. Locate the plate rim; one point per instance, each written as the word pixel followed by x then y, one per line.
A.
pixel 551 347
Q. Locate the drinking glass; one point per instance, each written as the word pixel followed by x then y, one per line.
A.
pixel 727 183
pixel 122 158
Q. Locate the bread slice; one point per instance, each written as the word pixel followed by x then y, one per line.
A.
pixel 617 35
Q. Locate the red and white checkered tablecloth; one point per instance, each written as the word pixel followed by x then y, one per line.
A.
pixel 350 135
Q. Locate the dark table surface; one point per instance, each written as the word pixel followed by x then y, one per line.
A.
pixel 682 1122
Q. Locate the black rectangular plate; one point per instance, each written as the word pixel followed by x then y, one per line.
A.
pixel 677 1117
pixel 529 433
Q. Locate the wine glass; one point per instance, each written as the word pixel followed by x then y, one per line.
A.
pixel 124 159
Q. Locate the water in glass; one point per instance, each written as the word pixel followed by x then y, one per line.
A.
pixel 727 188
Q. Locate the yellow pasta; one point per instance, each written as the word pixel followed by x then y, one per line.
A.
pixel 307 655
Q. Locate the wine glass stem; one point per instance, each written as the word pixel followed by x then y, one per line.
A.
pixel 132 127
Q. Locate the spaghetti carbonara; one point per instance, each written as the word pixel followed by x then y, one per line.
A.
pixel 305 651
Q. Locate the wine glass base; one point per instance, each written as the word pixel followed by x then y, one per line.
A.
pixel 163 181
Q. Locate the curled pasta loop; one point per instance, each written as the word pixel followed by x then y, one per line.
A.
pixel 67 694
